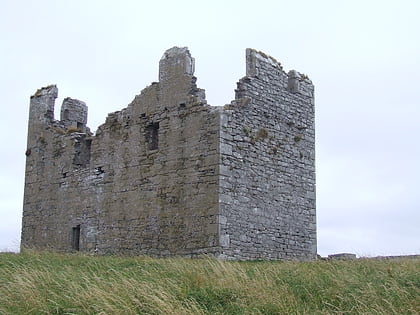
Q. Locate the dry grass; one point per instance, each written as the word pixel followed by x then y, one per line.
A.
pixel 72 129
pixel 47 283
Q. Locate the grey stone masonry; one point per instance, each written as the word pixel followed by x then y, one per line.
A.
pixel 267 165
pixel 171 175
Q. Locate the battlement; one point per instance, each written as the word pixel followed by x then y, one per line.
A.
pixel 171 175
pixel 74 114
pixel 42 104
pixel 267 69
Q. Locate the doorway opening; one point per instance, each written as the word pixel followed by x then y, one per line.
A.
pixel 75 239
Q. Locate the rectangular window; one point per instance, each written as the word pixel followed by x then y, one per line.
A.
pixel 152 136
pixel 75 239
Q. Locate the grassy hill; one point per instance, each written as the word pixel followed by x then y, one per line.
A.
pixel 48 283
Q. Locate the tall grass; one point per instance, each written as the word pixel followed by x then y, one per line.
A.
pixel 48 283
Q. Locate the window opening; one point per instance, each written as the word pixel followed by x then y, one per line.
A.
pixel 152 136
pixel 66 115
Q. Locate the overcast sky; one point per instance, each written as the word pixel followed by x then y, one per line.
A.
pixel 362 56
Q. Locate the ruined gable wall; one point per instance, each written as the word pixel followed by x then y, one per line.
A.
pixel 162 201
pixel 267 172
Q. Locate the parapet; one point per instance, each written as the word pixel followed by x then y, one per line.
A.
pixel 74 114
pixel 266 68
pixel 256 61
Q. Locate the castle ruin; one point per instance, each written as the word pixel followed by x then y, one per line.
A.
pixel 170 175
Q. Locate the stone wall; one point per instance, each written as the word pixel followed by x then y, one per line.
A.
pixel 267 165
pixel 171 175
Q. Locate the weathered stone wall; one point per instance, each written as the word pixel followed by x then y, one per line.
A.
pixel 171 175
pixel 267 165
pixel 146 183
pixel 162 193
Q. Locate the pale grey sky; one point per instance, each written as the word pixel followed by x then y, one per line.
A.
pixel 363 57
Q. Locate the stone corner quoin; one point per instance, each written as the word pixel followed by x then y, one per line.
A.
pixel 170 175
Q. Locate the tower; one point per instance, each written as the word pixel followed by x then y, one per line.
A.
pixel 170 175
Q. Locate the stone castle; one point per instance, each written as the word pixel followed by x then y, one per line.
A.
pixel 171 175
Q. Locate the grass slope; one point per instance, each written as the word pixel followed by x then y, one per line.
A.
pixel 48 283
